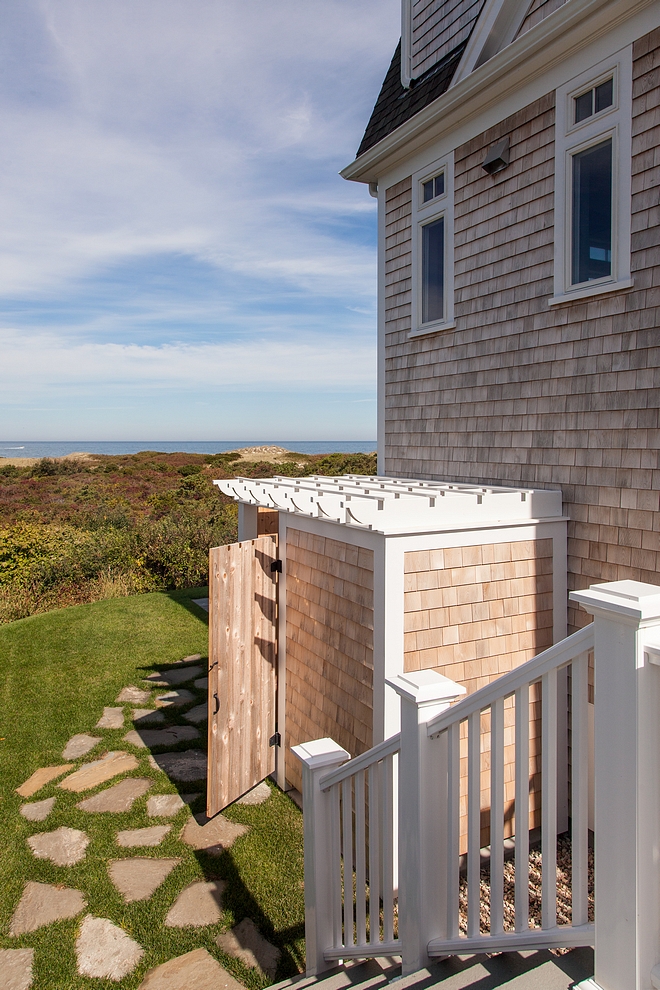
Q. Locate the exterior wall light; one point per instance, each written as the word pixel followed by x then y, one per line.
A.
pixel 497 157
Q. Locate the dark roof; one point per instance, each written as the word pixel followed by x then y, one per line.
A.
pixel 395 105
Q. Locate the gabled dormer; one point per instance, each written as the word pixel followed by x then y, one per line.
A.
pixel 443 42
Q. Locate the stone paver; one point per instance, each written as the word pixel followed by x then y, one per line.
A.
pixel 153 835
pixel 105 951
pixel 112 718
pixel 202 602
pixel 257 795
pixel 147 716
pixel 174 699
pixel 196 970
pixel 201 683
pixel 193 658
pixel 165 805
pixel 197 905
pixel 64 847
pixel 198 714
pixel 187 765
pixel 16 968
pixel 41 904
pixel 38 811
pixel 133 695
pixel 143 738
pixel 245 942
pixel 79 745
pixel 40 778
pixel 137 878
pixel 214 835
pixel 170 678
pixel 95 773
pixel 119 797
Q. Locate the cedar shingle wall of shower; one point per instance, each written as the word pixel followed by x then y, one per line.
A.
pixel 329 644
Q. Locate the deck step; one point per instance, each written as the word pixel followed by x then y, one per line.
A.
pixel 529 970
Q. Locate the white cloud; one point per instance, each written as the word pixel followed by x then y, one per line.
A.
pixel 199 135
pixel 211 129
pixel 30 364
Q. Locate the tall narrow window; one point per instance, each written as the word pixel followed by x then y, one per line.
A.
pixel 433 270
pixel 592 213
pixel 432 307
pixel 593 180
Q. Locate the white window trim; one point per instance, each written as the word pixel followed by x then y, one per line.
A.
pixel 423 213
pixel 615 122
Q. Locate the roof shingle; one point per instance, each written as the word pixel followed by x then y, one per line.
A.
pixel 395 105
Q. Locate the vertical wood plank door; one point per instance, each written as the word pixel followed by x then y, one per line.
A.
pixel 242 662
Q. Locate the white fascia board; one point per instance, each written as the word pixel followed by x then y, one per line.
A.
pixel 554 40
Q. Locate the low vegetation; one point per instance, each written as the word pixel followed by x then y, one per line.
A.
pixel 83 529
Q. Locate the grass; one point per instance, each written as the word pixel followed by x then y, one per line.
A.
pixel 57 672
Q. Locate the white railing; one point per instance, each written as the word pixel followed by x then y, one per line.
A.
pixel 446 753
pixel 478 717
pixel 362 890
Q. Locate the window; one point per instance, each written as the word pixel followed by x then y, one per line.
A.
pixel 598 98
pixel 592 182
pixel 433 255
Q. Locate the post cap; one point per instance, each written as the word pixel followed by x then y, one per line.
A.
pixel 320 753
pixel 425 687
pixel 631 599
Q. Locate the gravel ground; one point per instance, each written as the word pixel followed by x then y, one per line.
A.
pixel 535 876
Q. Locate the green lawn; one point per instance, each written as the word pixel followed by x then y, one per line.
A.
pixel 57 672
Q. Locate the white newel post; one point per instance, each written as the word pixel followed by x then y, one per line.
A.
pixel 318 757
pixel 627 783
pixel 423 774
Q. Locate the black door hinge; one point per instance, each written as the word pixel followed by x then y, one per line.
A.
pixel 276 565
pixel 275 740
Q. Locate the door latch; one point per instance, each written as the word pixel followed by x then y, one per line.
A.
pixel 275 740
pixel 276 565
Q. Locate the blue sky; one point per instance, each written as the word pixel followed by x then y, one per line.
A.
pixel 179 258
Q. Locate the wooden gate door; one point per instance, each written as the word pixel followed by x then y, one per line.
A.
pixel 242 668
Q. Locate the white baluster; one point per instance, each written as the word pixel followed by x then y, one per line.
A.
pixel 474 823
pixel 374 853
pixel 549 800
pixel 453 734
pixel 580 790
pixel 497 817
pixel 347 853
pixel 388 848
pixel 522 809
pixel 360 861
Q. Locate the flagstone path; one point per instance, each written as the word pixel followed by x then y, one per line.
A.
pixel 103 949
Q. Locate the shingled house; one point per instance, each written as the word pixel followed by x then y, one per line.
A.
pixel 515 153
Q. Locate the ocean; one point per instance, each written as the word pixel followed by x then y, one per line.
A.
pixel 51 448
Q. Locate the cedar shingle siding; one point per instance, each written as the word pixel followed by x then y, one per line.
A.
pixel 329 644
pixel 438 27
pixel 524 394
pixel 538 10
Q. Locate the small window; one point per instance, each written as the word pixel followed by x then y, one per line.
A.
pixel 433 187
pixel 594 100
pixel 592 213
pixel 433 271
